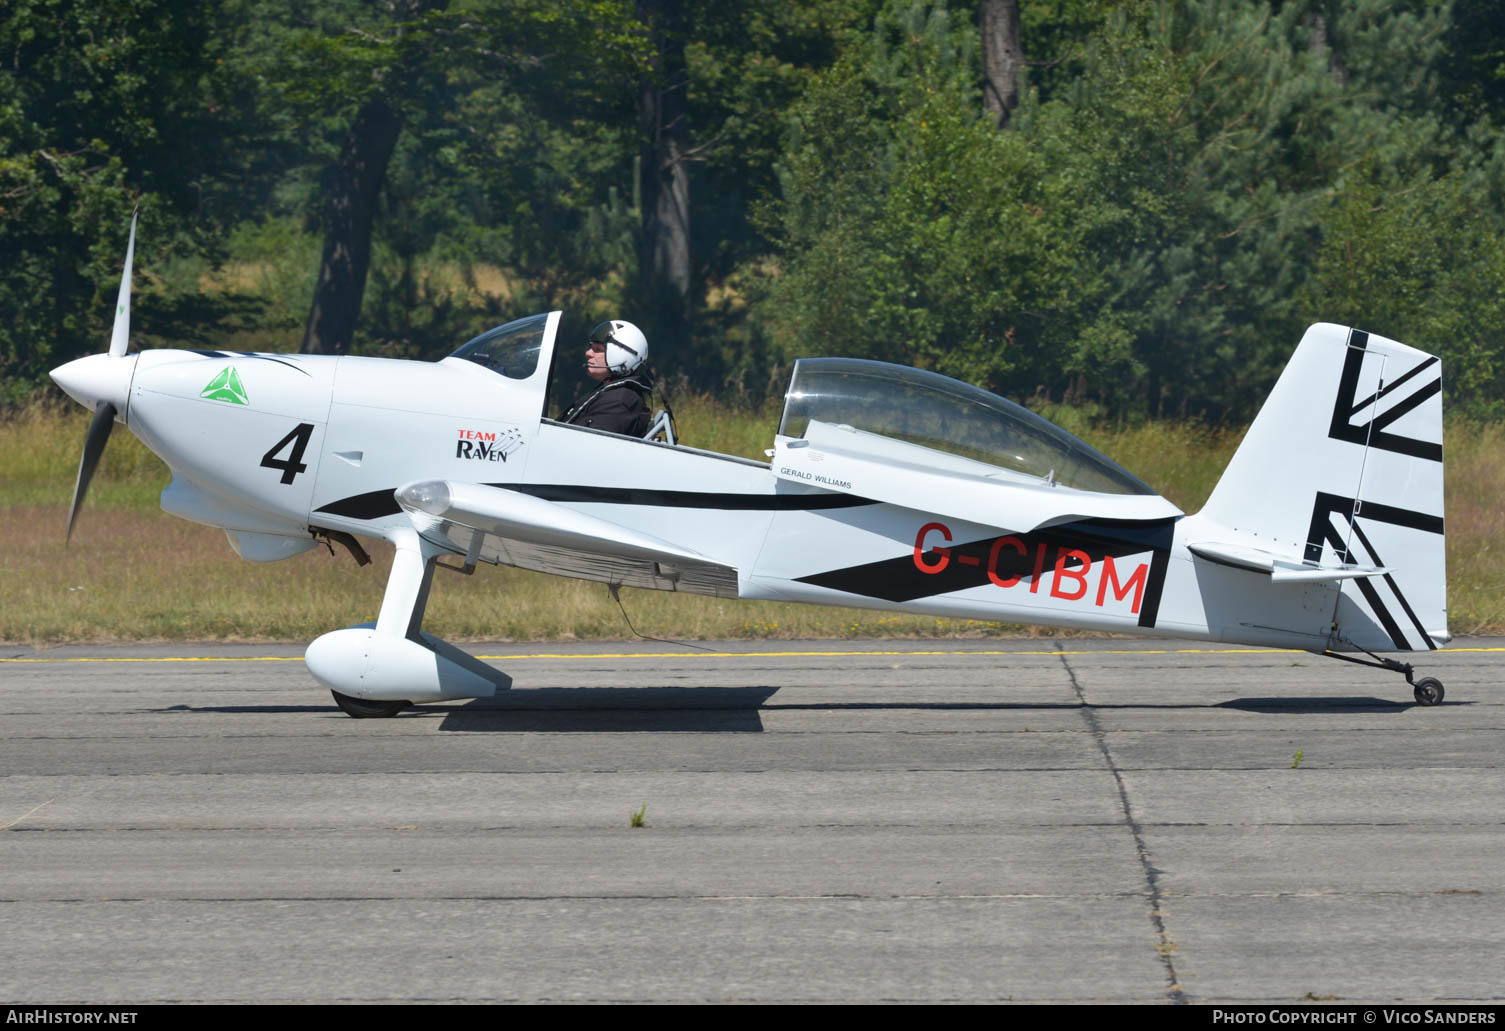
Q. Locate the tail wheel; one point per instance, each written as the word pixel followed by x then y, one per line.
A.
pixel 362 709
pixel 1428 691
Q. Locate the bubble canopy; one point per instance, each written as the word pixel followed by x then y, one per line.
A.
pixel 943 414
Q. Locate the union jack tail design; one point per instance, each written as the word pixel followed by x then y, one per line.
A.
pixel 1342 472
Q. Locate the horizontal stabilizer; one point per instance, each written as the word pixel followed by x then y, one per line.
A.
pixel 1280 569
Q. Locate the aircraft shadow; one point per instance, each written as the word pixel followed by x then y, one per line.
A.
pixel 328 707
pixel 585 710
pixel 1304 706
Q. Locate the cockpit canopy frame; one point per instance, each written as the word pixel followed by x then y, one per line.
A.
pixel 513 349
pixel 946 415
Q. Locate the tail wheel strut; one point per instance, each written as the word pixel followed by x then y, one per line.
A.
pixel 1427 690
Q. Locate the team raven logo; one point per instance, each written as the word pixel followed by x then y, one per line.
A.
pixel 487 445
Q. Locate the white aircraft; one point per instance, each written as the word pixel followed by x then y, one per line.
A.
pixel 887 488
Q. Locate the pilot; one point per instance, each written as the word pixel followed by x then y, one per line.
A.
pixel 615 353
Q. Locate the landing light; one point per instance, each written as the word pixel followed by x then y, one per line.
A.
pixel 431 496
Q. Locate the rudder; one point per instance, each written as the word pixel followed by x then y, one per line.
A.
pixel 1343 468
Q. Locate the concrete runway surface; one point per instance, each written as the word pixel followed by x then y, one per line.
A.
pixel 1071 819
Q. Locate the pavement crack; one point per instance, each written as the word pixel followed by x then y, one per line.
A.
pixel 1165 948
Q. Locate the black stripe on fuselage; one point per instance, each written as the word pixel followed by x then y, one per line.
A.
pixel 372 505
pixel 586 494
pixel 974 563
pixel 259 357
pixel 378 503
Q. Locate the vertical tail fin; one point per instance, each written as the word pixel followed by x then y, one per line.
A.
pixel 1343 467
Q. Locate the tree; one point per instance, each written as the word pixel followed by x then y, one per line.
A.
pixel 913 231
pixel 426 59
pixel 395 63
pixel 1002 57
pixel 1147 235
pixel 99 104
pixel 664 117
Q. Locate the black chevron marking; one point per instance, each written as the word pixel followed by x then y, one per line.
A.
pixel 1322 531
pixel 1387 388
pixel 899 579
pixel 1374 558
pixel 1373 433
pixel 1396 411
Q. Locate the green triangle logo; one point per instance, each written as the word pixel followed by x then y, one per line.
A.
pixel 226 387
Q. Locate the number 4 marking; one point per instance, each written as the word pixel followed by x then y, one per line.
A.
pixel 293 464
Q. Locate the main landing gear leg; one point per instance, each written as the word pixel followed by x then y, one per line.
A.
pixel 402 608
pixel 1428 690
pixel 375 671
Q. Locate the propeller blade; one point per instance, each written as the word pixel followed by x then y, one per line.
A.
pixel 94 446
pixel 120 334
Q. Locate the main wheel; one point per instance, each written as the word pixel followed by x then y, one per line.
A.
pixel 362 709
pixel 1428 691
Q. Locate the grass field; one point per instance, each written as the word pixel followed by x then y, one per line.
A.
pixel 134 573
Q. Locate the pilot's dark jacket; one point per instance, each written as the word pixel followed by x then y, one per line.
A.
pixel 617 406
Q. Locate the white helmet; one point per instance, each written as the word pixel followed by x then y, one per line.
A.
pixel 626 347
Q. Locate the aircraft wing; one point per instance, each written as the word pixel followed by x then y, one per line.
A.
pixel 880 468
pixel 507 527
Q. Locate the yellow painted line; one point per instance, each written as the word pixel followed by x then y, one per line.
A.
pixel 171 658
pixel 520 657
pixel 848 654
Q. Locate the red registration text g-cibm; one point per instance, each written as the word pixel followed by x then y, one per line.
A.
pixel 1069 572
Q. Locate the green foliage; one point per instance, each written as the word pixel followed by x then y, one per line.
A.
pixel 1185 186
pixel 1157 230
pixel 276 262
pixel 1414 261
pixel 98 102
pixel 915 236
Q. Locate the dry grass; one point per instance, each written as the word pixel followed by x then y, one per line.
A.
pixel 1181 461
pixel 711 426
pixel 134 573
pixel 39 452
pixel 1475 502
pixel 144 575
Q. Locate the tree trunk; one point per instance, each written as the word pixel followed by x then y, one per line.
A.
pixel 663 111
pixel 352 208
pixel 347 230
pixel 1322 42
pixel 1002 58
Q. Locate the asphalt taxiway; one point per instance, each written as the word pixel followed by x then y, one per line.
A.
pixel 1069 819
